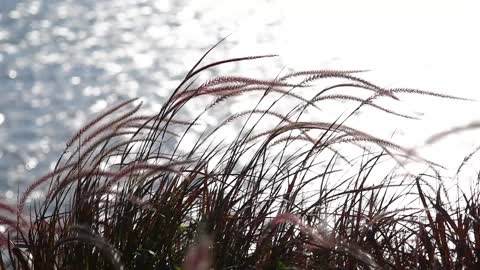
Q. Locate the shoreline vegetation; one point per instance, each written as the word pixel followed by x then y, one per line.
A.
pixel 134 191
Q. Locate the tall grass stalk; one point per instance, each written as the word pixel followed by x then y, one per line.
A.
pixel 135 191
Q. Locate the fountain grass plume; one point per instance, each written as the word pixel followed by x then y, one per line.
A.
pixel 135 191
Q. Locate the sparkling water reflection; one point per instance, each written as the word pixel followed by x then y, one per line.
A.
pixel 61 61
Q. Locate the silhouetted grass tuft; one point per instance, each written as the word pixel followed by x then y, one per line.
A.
pixel 173 191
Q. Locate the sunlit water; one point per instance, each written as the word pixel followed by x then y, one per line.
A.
pixel 63 61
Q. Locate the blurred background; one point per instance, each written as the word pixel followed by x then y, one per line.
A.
pixel 63 61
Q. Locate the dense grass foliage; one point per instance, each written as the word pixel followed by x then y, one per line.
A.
pixel 172 191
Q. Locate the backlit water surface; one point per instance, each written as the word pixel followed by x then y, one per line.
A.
pixel 63 61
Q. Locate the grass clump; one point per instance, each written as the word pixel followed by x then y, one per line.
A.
pixel 135 191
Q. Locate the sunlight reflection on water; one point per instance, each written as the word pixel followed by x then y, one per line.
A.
pixel 62 61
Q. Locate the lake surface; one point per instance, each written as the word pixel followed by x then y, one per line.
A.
pixel 63 61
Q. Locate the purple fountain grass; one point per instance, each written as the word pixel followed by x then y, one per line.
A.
pixel 134 191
